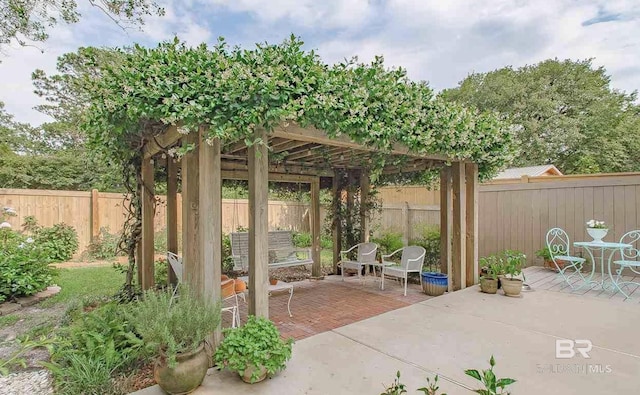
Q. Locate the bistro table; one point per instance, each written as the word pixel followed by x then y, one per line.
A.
pixel 604 247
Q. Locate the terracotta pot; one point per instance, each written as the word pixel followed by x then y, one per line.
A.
pixel 224 277
pixel 273 281
pixel 186 376
pixel 489 285
pixel 511 287
pixel 240 285
pixel 246 374
pixel 228 288
pixel 551 266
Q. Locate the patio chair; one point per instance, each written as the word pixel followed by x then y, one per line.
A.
pixel 558 244
pixel 630 260
pixel 366 255
pixel 176 264
pixel 411 261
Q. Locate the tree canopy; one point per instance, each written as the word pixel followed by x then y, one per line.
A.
pixel 235 90
pixel 27 22
pixel 564 112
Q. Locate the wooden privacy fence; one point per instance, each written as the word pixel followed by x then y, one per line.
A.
pixel 516 214
pixel 87 212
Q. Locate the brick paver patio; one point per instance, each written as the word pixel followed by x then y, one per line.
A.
pixel 322 305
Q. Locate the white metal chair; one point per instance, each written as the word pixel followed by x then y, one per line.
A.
pixel 176 264
pixel 411 261
pixel 630 260
pixel 366 255
pixel 559 247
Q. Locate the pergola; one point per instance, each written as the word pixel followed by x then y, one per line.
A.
pixel 304 155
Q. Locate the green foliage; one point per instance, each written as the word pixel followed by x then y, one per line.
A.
pixel 17 357
pixel 388 241
pixel 104 246
pixel 431 388
pixel 58 242
pixel 227 260
pixel 326 241
pixel 429 239
pixel 301 239
pixel 161 272
pixel 169 325
pixel 508 262
pixel 493 385
pixel 397 388
pixel 92 348
pixel 513 262
pixel 227 89
pixel 28 22
pixel 85 283
pixel 256 343
pixel 563 112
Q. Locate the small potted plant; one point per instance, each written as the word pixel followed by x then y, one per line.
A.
pixel 253 350
pixel 492 267
pixel 513 263
pixel 597 230
pixel 173 329
pixel 547 258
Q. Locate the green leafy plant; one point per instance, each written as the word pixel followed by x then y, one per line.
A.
pixel 493 385
pixel 397 388
pixel 161 272
pixel 513 262
pixel 255 344
pixel 105 245
pixel 429 238
pixel 25 344
pixel 302 239
pixel 58 242
pixel 432 387
pixel 170 325
pixel 24 267
pixel 492 267
pixel 388 242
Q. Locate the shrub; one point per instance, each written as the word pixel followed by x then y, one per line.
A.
pixel 429 238
pixel 24 266
pixel 161 272
pixel 227 260
pixel 169 325
pixel 301 239
pixel 58 242
pixel 388 242
pixel 104 246
pixel 160 241
pixel 326 241
pixel 257 343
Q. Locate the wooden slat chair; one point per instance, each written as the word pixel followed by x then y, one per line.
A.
pixel 282 252
pixel 411 261
pixel 366 255
pixel 630 259
pixel 559 245
pixel 176 264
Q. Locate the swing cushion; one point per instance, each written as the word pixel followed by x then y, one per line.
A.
pixel 282 252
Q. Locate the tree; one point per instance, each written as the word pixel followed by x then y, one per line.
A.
pixel 564 113
pixel 27 21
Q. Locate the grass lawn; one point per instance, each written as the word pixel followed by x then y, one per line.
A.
pixel 78 283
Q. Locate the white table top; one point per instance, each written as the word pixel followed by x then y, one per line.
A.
pixel 602 244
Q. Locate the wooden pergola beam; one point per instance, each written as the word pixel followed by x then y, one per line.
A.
pixel 278 177
pixel 287 145
pixel 192 264
pixel 160 142
pixel 284 168
pixel 364 199
pixel 336 225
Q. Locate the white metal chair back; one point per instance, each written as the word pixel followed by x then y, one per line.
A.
pixel 176 264
pixel 367 252
pixel 413 258
pixel 633 238
pixel 558 242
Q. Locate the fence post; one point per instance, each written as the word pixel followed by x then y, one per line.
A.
pixel 405 223
pixel 95 215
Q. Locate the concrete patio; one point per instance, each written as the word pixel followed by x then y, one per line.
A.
pixel 457 331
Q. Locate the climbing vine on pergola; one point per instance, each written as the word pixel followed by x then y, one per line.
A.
pixel 234 91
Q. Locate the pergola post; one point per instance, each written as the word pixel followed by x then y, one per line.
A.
pixel 192 267
pixel 316 268
pixel 172 215
pixel 146 269
pixel 446 222
pixel 472 271
pixel 258 226
pixel 459 250
pixel 364 199
pixel 210 225
pixel 337 223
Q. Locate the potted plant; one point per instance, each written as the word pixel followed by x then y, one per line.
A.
pixel 434 284
pixel 492 267
pixel 173 329
pixel 545 254
pixel 597 230
pixel 513 262
pixel 253 350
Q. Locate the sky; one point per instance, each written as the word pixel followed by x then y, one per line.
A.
pixel 440 41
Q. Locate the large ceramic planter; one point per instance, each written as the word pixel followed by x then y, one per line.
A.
pixel 186 376
pixel 434 284
pixel 597 234
pixel 248 372
pixel 511 286
pixel 489 285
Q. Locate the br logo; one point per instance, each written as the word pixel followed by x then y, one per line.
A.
pixel 566 348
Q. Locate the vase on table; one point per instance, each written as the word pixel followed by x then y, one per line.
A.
pixel 597 234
